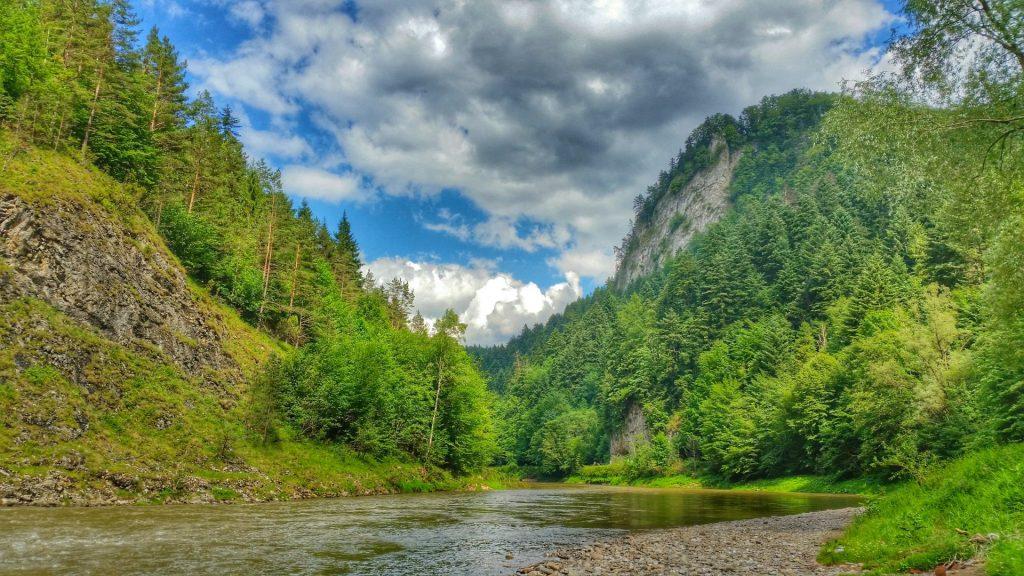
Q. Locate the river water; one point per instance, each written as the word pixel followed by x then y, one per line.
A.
pixel 450 533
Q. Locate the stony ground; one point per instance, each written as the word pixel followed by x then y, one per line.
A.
pixel 782 545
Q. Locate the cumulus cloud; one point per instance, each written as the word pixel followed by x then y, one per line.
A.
pixel 263 143
pixel 248 11
pixel 495 306
pixel 320 184
pixel 549 111
pixel 501 232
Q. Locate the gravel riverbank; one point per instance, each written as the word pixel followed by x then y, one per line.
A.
pixel 781 545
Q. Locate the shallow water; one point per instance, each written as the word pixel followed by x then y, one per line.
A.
pixel 451 533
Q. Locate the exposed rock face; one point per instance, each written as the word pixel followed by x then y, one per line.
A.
pixel 679 217
pixel 633 432
pixel 91 268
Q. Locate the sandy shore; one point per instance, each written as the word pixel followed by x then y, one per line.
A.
pixel 781 545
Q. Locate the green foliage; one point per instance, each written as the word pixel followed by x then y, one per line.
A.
pixel 75 78
pixel 857 312
pixel 922 524
pixel 567 442
pixel 194 241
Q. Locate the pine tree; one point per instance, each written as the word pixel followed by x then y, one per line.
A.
pixel 166 86
pixel 346 262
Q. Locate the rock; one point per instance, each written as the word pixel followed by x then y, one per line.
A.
pixel 95 269
pixel 784 546
pixel 699 203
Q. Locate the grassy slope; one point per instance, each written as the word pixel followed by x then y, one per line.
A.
pixel 916 525
pixel 614 474
pixel 111 422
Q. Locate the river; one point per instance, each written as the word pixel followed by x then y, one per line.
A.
pixel 445 533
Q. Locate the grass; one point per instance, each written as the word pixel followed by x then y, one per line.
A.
pixel 122 420
pixel 678 477
pixel 118 412
pixel 920 525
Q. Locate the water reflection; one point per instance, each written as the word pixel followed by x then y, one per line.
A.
pixel 459 534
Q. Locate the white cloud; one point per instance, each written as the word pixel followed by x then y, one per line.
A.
pixel 249 11
pixel 553 112
pixel 316 183
pixel 171 7
pixel 501 232
pixel 272 143
pixel 598 264
pixel 495 306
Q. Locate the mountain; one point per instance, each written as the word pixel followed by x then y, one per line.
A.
pixel 799 294
pixel 121 379
pixel 698 188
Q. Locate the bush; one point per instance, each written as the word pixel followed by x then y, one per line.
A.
pixel 650 459
pixel 194 241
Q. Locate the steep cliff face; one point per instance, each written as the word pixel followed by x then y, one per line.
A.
pixel 82 262
pixel 679 216
pixel 633 433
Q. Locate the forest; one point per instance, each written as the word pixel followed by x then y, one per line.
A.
pixel 858 313
pixel 359 369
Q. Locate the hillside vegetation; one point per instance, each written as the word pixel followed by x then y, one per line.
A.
pixel 172 317
pixel 858 313
pixel 958 509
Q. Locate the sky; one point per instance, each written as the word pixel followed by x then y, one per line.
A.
pixel 488 151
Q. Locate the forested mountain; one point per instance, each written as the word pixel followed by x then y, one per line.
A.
pixel 856 311
pixel 326 360
pixel 707 176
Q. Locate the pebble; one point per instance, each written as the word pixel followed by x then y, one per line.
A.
pixel 782 546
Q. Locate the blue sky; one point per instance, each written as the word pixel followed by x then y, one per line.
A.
pixel 489 151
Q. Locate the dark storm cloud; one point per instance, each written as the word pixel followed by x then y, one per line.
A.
pixel 555 111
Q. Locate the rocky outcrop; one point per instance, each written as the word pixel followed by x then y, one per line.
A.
pixel 633 433
pixel 88 265
pixel 679 216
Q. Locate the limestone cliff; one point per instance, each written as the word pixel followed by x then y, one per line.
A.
pixel 679 216
pixel 633 433
pixel 82 262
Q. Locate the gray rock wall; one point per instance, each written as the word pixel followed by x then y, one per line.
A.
pixel 699 203
pixel 127 286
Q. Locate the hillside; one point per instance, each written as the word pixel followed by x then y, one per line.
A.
pixel 722 159
pixel 837 320
pixel 176 327
pixel 123 380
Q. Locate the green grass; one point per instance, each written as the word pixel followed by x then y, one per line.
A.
pixel 121 420
pixel 922 524
pixel 678 477
pixel 119 412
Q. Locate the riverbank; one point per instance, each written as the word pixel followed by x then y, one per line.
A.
pixel 615 474
pixel 286 472
pixel 781 545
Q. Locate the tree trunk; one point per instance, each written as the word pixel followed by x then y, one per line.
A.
pixel 295 275
pixel 437 401
pixel 195 187
pixel 159 213
pixel 156 101
pixel 269 254
pixel 92 112
pixel 60 127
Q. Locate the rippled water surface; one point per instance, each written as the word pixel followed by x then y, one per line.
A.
pixel 458 534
